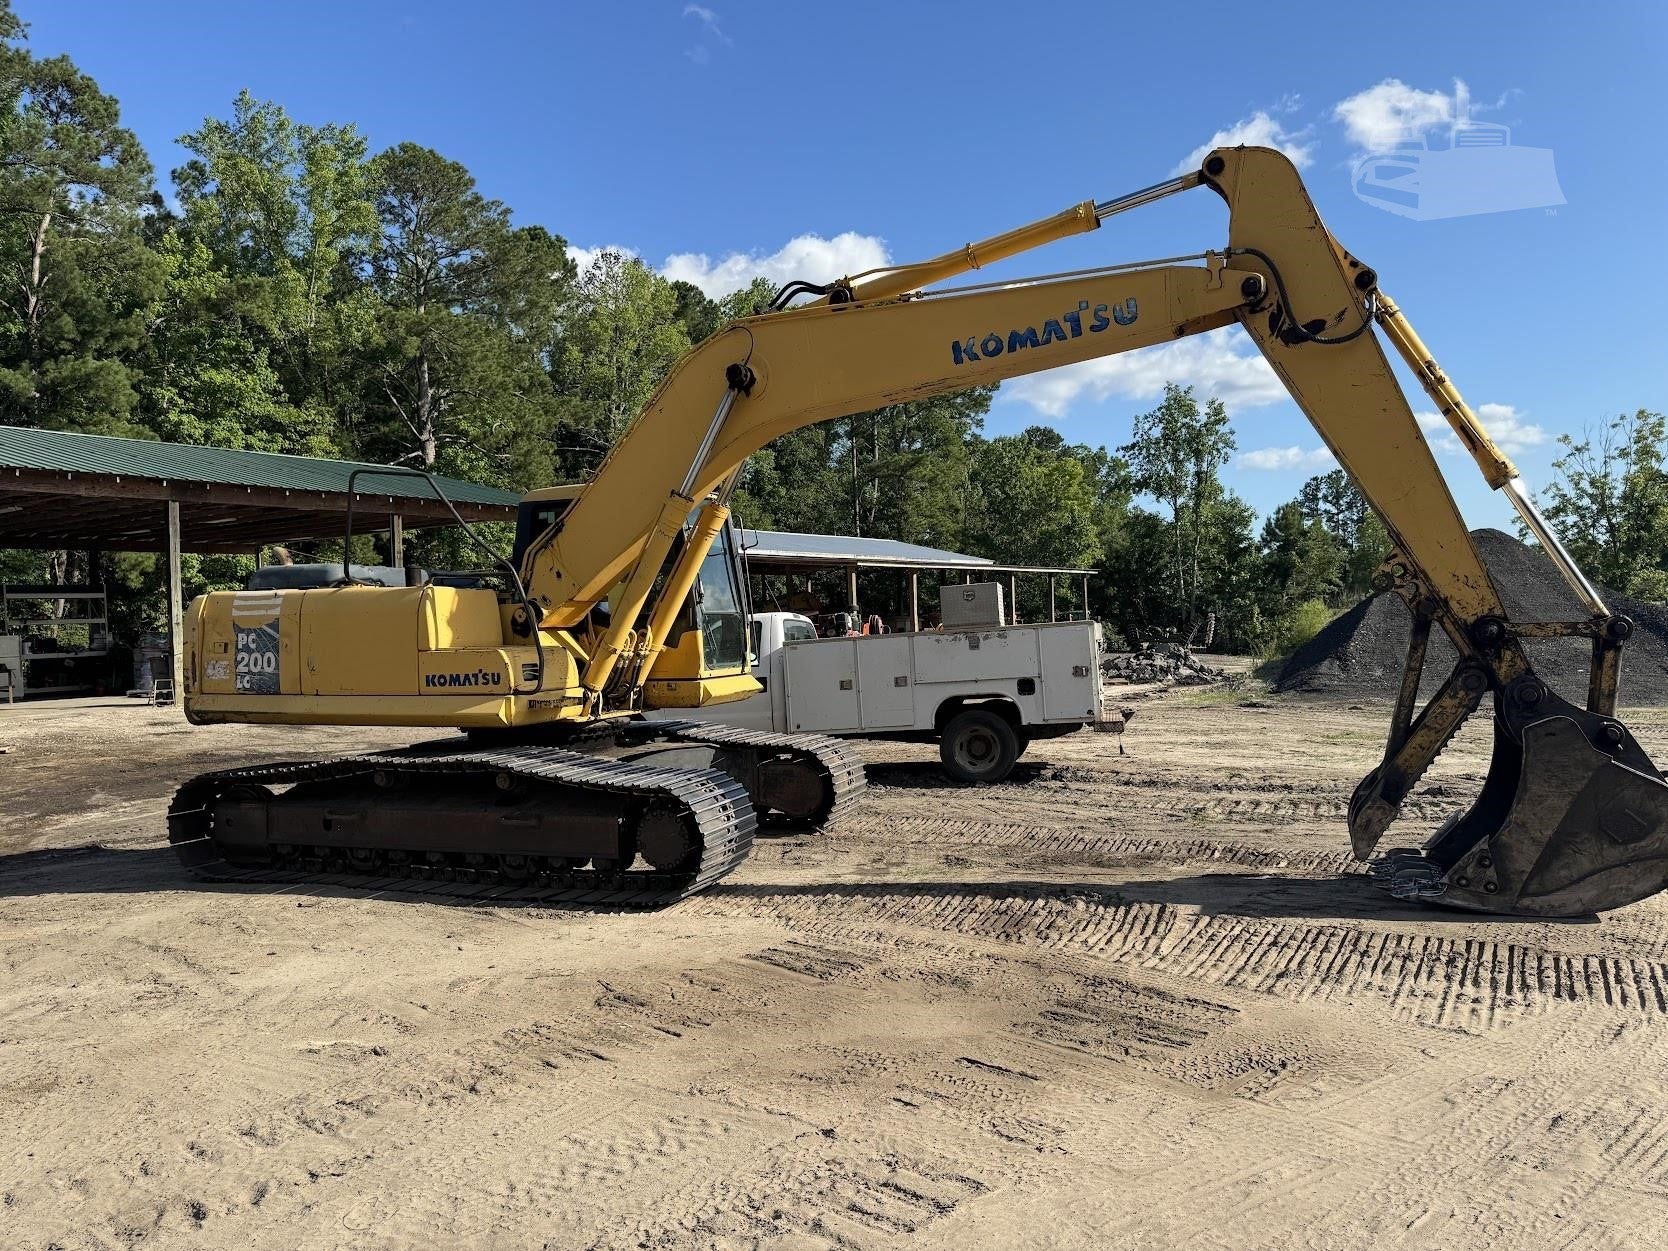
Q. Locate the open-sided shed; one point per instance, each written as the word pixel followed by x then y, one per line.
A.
pixel 84 492
pixel 776 552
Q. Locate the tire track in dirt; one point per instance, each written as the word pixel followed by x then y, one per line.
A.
pixel 1463 983
pixel 1507 1113
pixel 954 832
pixel 1292 810
pixel 819 1192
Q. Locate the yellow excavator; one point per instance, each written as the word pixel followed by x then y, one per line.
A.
pixel 626 594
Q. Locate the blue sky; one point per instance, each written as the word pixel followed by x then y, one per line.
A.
pixel 728 139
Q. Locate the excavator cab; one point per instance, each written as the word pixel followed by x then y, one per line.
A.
pixel 705 656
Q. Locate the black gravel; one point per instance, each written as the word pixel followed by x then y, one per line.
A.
pixel 1362 652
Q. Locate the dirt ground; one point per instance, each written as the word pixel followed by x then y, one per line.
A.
pixel 1138 1001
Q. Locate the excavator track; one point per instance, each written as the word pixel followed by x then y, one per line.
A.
pixel 712 801
pixel 835 764
pixel 230 826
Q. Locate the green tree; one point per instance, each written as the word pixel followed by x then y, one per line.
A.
pixel 694 311
pixel 276 218
pixel 206 379
pixel 906 466
pixel 1033 501
pixel 1608 500
pixel 466 309
pixel 1334 501
pixel 1301 560
pixel 1230 580
pixel 1134 592
pixel 618 342
pixel 74 185
pixel 1176 456
pixel 796 483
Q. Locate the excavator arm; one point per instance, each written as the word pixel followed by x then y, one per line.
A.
pixel 1573 817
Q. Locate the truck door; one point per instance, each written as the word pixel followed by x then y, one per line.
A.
pixel 822 686
pixel 791 630
pixel 1070 678
pixel 884 677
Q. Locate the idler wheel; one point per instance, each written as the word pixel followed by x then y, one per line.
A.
pixel 664 839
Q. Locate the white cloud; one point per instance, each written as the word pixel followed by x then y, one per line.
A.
pixel 583 257
pixel 708 20
pixel 1211 362
pixel 1391 113
pixel 1286 458
pixel 1262 130
pixel 1510 432
pixel 810 257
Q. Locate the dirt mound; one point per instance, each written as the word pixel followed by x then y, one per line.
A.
pixel 1362 652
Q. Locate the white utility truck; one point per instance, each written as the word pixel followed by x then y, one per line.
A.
pixel 984 692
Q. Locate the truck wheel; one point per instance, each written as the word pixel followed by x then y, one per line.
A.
pixel 978 746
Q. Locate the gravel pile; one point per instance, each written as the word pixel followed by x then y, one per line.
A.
pixel 1362 652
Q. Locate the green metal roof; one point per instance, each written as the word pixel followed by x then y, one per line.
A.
pixel 58 451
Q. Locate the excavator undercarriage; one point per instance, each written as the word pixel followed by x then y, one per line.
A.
pixel 629 814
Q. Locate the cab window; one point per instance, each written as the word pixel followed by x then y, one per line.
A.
pixel 797 631
pixel 723 621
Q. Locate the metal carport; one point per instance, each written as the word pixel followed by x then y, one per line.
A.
pixel 86 492
pixel 775 551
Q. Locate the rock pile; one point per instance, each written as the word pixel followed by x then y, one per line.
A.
pixel 1363 651
pixel 1162 661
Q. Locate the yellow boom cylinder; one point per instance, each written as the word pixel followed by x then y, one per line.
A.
pixel 1496 466
pixel 886 283
pixel 668 525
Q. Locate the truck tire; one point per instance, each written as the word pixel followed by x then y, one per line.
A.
pixel 978 746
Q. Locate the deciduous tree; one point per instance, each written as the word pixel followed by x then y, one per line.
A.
pixel 1177 455
pixel 1609 502
pixel 77 278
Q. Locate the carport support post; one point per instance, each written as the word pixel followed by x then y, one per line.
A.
pixel 851 588
pixel 176 620
pixel 1085 597
pixel 1013 599
pixel 396 540
pixel 915 600
pixel 1052 615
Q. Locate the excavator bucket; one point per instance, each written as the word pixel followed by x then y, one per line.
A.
pixel 1572 819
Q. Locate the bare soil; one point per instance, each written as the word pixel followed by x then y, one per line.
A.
pixel 1140 1001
